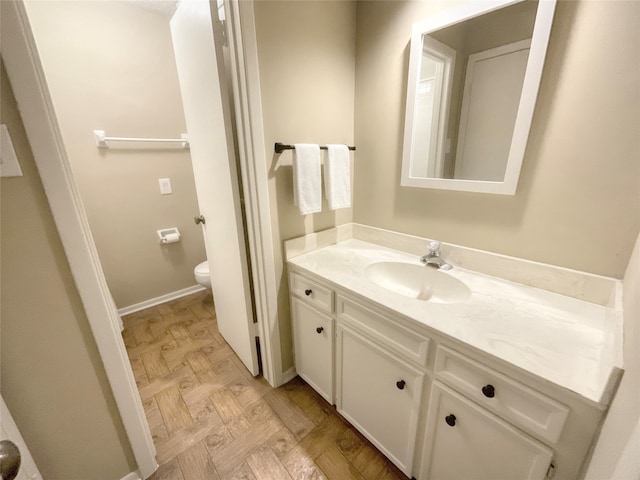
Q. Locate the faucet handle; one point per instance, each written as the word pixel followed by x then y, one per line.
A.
pixel 434 246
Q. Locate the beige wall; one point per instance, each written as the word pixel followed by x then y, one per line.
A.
pixel 580 178
pixel 577 200
pixel 52 378
pixel 306 52
pixel 110 66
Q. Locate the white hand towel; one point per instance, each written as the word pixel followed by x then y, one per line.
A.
pixel 307 178
pixel 337 177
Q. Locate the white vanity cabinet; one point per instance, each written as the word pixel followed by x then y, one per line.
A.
pixel 465 441
pixel 436 408
pixel 313 333
pixel 485 425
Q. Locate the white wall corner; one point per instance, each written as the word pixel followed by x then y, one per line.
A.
pixel 289 375
pixel 616 452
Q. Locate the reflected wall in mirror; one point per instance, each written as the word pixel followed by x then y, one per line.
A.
pixel 473 80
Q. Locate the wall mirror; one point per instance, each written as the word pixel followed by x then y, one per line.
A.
pixel 473 80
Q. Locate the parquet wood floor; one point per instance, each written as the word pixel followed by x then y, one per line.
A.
pixel 210 419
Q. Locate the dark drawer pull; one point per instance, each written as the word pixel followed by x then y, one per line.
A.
pixel 308 292
pixel 489 391
pixel 451 420
pixel 400 384
pixel 320 329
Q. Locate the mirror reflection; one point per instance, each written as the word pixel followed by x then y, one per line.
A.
pixel 467 95
pixel 432 108
pixel 492 52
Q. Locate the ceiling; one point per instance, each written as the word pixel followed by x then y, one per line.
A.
pixel 164 7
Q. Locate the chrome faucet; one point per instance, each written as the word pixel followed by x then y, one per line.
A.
pixel 433 259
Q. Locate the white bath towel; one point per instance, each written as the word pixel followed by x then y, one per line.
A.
pixel 337 177
pixel 307 178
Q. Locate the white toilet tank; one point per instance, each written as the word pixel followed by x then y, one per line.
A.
pixel 201 273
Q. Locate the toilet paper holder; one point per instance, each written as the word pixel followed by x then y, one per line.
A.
pixel 169 235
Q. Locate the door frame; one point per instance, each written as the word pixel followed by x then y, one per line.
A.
pixel 252 154
pixel 27 77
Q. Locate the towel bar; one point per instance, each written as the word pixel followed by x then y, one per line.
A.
pixel 281 147
pixel 102 139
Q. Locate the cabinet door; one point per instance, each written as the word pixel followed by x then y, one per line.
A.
pixel 313 347
pixel 464 441
pixel 379 394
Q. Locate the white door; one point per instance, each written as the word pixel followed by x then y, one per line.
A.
pixel 9 431
pixel 379 394
pixel 493 86
pixel 215 174
pixel 313 347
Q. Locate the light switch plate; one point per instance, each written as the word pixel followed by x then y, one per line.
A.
pixel 165 186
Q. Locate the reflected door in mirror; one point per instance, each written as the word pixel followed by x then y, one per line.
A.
pixel 493 86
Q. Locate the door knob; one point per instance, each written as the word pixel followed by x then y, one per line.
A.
pixel 199 220
pixel 9 460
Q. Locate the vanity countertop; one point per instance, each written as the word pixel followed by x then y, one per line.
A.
pixel 561 339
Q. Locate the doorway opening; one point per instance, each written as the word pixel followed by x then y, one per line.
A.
pixel 131 191
pixel 50 146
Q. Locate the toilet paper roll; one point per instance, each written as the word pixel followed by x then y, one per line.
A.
pixel 171 238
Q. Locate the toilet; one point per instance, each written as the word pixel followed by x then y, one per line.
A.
pixel 201 272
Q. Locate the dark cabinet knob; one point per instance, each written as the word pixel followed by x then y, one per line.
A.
pixel 307 292
pixel 9 460
pixel 320 329
pixel 489 391
pixel 451 420
pixel 400 384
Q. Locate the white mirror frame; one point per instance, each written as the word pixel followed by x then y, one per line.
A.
pixel 535 64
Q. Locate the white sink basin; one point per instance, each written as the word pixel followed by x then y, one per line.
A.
pixel 418 281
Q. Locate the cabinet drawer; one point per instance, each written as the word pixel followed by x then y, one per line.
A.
pixel 312 292
pixel 522 406
pixel 405 342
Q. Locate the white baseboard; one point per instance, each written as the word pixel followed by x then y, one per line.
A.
pixel 132 476
pixel 152 302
